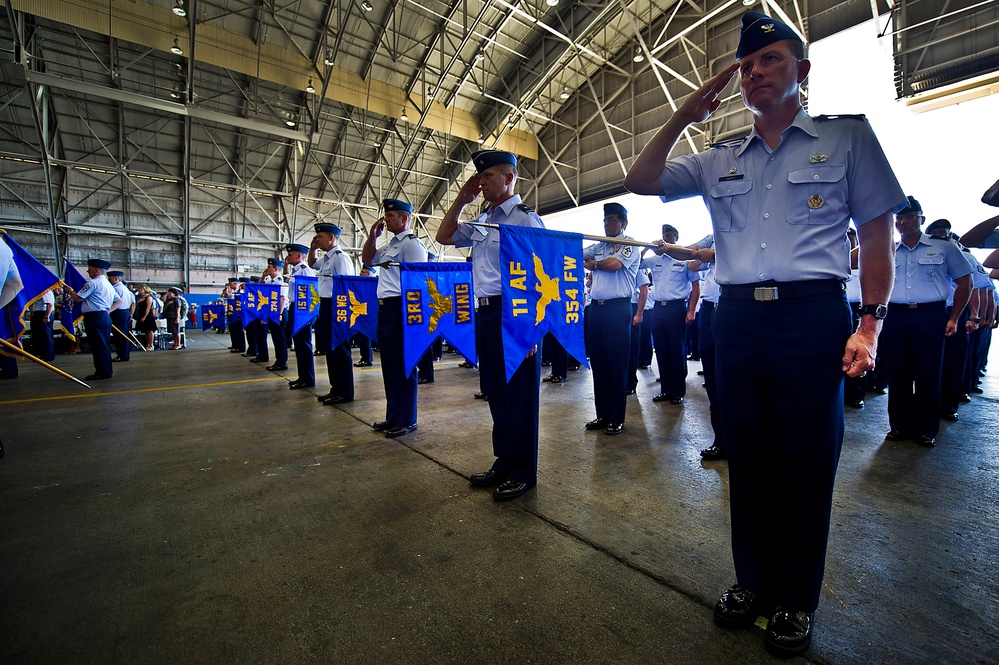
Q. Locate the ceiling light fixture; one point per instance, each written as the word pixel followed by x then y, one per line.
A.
pixel 749 3
pixel 290 122
pixel 551 3
pixel 481 140
pixel 366 6
pixel 328 60
pixel 480 56
pixel 310 88
pixel 564 94
pixel 639 56
pixel 179 10
pixel 175 93
pixel 404 117
pixel 175 49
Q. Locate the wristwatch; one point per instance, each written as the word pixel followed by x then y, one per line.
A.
pixel 877 311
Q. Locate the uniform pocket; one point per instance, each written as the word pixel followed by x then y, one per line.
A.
pixel 817 195
pixel 730 204
pixel 931 267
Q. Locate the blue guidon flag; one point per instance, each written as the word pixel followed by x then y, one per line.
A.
pixel 305 302
pixel 437 300
pixel 543 291
pixel 70 311
pixel 355 308
pixel 213 315
pixel 263 301
pixel 36 280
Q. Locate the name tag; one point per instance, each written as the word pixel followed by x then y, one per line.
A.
pixel 726 178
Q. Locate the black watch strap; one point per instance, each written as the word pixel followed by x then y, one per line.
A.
pixel 877 311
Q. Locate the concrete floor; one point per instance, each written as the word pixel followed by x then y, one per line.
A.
pixel 194 510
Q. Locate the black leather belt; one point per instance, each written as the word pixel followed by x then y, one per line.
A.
pixel 916 305
pixel 389 300
pixel 612 301
pixel 489 300
pixel 768 291
pixel 663 303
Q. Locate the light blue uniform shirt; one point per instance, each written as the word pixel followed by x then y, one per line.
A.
pixel 403 248
pixel 294 270
pixel 782 214
pixel 671 279
pixel 924 273
pixel 709 286
pixel 485 242
pixel 10 273
pixel 979 273
pixel 334 262
pixel 98 295
pixel 617 283
pixel 641 280
pixel 127 297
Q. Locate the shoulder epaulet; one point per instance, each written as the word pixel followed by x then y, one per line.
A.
pixel 946 239
pixel 845 116
pixel 524 207
pixel 728 142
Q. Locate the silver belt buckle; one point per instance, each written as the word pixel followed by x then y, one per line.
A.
pixel 484 301
pixel 765 293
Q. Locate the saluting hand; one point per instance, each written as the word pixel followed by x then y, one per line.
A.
pixel 469 191
pixel 377 228
pixel 706 100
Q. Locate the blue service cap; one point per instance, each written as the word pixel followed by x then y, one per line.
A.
pixel 910 207
pixel 243 280
pixel 234 279
pixel 295 247
pixel 396 204
pixel 328 228
pixel 99 263
pixel 759 30
pixel 115 273
pixel 939 225
pixel 254 279
pixel 615 209
pixel 483 159
pixel 277 263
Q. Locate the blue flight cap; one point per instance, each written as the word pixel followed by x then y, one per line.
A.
pixel 277 263
pixel 115 273
pixel 99 263
pixel 243 280
pixel 295 247
pixel 234 279
pixel 941 226
pixel 615 209
pixel 254 279
pixel 396 204
pixel 483 159
pixel 328 228
pixel 759 30
pixel 911 207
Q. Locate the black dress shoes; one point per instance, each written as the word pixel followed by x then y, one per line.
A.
pixel 629 391
pixel 676 400
pixel 510 489
pixel 965 398
pixel 296 385
pixel 335 399
pixel 481 396
pixel 855 404
pixel 489 478
pixel 423 382
pixel 399 431
pixel 259 360
pixel 662 397
pixel 275 367
pixel 381 426
pixel 896 435
pixel 554 378
pixel 614 428
pixel 466 364
pixel 95 377
pixel 322 397
pixel 236 351
pixel 713 453
pixel 736 608
pixel 788 632
pixel 927 441
pixel 599 423
pixel 950 416
pixel 362 363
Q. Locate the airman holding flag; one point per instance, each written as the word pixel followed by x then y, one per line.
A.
pixel 302 337
pixel 98 300
pixel 333 262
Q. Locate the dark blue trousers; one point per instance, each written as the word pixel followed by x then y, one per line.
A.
pixel 514 406
pixel 956 365
pixel 42 343
pixel 608 340
pixel 98 325
pixel 277 329
pixel 669 332
pixel 645 351
pixel 634 347
pixel 363 346
pixel 400 388
pixel 236 337
pixel 425 368
pixel 259 330
pixel 338 360
pixel 912 343
pixel 251 338
pixel 121 319
pixel 706 339
pixel 303 352
pixel 780 397
pixel 559 357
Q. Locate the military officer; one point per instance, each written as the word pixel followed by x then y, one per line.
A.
pixel 404 247
pixel 615 272
pixel 333 262
pixel 9 288
pixel 513 405
pixel 237 340
pixel 272 275
pixel 42 314
pixel 99 299
pixel 299 266
pixel 781 200
pixel 676 289
pixel 918 321
pixel 121 318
